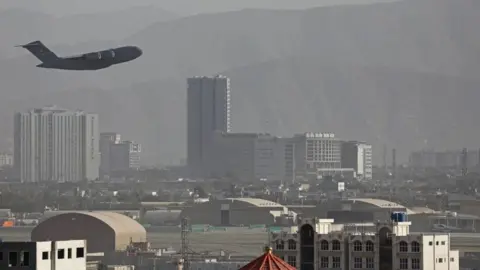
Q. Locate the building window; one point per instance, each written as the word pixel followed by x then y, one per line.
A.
pixel 69 253
pixel 443 243
pixel 335 245
pixel 415 263
pixel 292 260
pixel 403 263
pixel 80 252
pixel 292 245
pixel 415 246
pixel 324 262
pixel 436 243
pixel 452 259
pixel 1 256
pixel 430 243
pixel 12 259
pixel 336 262
pixel 370 263
pixel 280 245
pixel 403 246
pixel 24 258
pixel 369 246
pixel 45 255
pixel 440 260
pixel 357 246
pixel 61 254
pixel 324 245
pixel 357 263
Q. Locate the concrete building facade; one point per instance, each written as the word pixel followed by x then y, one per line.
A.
pixel 44 255
pixel 125 156
pixel 358 156
pixel 107 139
pixel 118 155
pixel 315 245
pixel 53 144
pixel 316 155
pixel 6 159
pixel 248 156
pixel 208 110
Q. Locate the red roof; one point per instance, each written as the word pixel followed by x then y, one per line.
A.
pixel 268 261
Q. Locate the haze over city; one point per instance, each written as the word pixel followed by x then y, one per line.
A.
pixel 401 73
pixel 239 135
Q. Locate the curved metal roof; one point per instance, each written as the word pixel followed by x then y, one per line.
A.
pixel 382 204
pixel 257 202
pixel 121 224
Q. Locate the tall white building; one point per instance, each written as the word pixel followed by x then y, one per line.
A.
pixel 208 110
pixel 53 144
pixel 358 156
pixel 314 244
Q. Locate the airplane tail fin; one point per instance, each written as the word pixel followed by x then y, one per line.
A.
pixel 38 49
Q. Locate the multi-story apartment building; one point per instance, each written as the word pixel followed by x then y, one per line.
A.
pixel 53 144
pixel 314 244
pixel 208 110
pixel 358 156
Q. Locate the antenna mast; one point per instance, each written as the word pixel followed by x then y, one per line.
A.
pixel 185 243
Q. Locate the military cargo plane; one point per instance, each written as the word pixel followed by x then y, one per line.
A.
pixel 88 61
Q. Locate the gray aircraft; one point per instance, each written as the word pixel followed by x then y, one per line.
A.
pixel 88 61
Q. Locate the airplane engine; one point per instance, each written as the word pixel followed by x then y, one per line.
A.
pixel 108 54
pixel 93 56
pixel 105 55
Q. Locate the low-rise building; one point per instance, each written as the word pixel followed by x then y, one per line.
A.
pixel 314 244
pixel 44 255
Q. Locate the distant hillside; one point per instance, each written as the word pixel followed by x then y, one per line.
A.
pixel 401 73
pixel 26 26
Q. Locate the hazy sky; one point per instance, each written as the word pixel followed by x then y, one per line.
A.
pixel 67 7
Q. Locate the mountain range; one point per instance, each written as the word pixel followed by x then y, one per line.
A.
pixel 402 74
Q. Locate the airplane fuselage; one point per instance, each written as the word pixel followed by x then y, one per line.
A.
pixel 94 60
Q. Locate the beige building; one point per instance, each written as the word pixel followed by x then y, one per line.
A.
pixel 315 244
pixel 104 231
